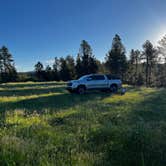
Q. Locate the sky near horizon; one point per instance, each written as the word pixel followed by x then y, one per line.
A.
pixel 39 30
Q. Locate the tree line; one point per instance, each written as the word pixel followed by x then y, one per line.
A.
pixel 141 67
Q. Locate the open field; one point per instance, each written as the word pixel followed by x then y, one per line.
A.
pixel 42 124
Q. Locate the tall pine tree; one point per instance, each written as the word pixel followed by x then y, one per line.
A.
pixel 64 70
pixel 39 70
pixel 86 62
pixel 149 56
pixel 116 61
pixel 78 66
pixel 7 69
pixel 162 63
pixel 133 68
pixel 71 66
pixel 56 67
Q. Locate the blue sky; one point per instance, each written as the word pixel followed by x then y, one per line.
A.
pixel 39 30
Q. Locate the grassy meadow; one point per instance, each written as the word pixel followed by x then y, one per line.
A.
pixel 41 124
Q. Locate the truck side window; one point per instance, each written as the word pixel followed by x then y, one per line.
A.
pixel 98 77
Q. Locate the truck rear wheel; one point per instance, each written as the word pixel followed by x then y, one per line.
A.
pixel 81 90
pixel 113 88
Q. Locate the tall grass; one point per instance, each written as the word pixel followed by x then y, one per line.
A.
pixel 42 124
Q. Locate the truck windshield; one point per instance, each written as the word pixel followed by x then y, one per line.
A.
pixel 82 78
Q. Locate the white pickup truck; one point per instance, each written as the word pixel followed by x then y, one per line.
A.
pixel 94 81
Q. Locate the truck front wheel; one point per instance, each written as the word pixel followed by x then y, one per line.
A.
pixel 71 91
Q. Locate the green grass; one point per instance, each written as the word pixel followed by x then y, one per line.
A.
pixel 43 125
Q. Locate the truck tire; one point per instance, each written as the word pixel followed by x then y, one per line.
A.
pixel 81 90
pixel 113 88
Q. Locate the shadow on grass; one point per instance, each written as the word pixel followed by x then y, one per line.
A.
pixel 31 91
pixel 135 137
pixel 25 85
pixel 153 108
pixel 51 103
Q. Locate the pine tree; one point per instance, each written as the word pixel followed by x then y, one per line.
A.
pixel 56 69
pixel 64 70
pixel 86 62
pixel 162 62
pixel 149 55
pixel 1 67
pixel 7 69
pixel 78 67
pixel 116 61
pixel 39 70
pixel 48 73
pixel 85 53
pixel 134 64
pixel 71 66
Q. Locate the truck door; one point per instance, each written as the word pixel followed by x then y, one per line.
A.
pixel 96 82
pixel 90 82
pixel 101 81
